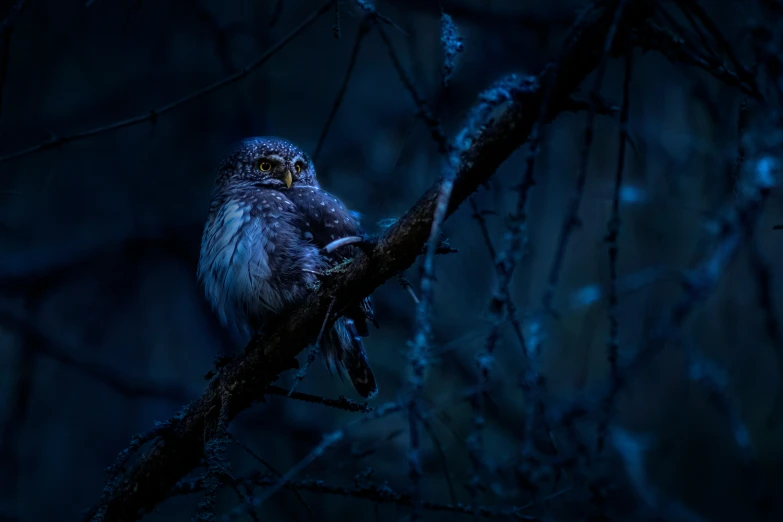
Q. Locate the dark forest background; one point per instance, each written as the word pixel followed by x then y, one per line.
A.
pixel 104 330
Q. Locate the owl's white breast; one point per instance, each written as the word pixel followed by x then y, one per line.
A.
pixel 234 266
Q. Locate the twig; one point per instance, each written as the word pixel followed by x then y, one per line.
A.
pixel 247 449
pixel 364 29
pixel 370 10
pixel 154 114
pixel 692 7
pixel 327 441
pixel 501 305
pixel 313 351
pixel 408 287
pixel 572 221
pixel 444 462
pixel 706 373
pixel 343 403
pixel 418 355
pixel 651 36
pixel 432 122
pixel 376 493
pixel 612 235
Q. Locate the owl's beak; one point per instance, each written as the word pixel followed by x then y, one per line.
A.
pixel 288 179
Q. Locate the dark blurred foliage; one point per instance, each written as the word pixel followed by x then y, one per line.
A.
pixel 103 328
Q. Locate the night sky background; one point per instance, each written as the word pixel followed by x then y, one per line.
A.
pixel 104 328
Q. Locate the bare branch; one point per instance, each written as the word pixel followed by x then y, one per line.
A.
pixel 364 29
pixel 343 403
pixel 378 493
pixel 152 115
pixel 651 36
pixel 612 238
pixel 490 138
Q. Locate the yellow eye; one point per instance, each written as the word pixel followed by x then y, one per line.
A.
pixel 298 168
pixel 265 166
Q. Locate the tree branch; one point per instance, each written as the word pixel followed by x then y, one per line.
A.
pixel 500 123
pixel 152 115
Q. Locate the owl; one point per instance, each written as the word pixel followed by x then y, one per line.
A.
pixel 261 249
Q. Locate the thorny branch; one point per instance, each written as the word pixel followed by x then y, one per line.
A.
pixel 612 239
pixel 498 125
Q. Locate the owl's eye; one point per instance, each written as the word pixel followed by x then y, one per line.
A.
pixel 265 166
pixel 298 168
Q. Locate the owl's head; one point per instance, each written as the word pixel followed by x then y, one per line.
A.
pixel 270 162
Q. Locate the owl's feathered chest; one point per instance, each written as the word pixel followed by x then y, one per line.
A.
pixel 254 258
pixel 244 226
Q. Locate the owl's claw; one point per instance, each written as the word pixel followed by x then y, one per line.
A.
pixel 363 242
pixel 337 243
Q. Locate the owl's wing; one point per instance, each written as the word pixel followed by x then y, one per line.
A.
pixel 326 219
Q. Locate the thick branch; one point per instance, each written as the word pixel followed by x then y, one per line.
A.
pixel 500 124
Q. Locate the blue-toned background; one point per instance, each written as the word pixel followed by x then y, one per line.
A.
pixel 103 328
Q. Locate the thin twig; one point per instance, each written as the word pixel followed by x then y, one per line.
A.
pixel 376 493
pixel 432 122
pixel 247 449
pixel 313 353
pixel 154 114
pixel 572 221
pixel 343 403
pixel 612 236
pixel 328 440
pixel 364 29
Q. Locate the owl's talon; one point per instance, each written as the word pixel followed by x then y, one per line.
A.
pixel 343 241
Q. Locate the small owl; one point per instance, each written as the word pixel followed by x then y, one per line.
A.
pixel 261 249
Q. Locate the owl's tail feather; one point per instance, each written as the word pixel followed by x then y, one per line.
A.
pixel 344 351
pixel 359 315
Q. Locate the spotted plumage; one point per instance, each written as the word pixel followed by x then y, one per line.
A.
pixel 261 248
